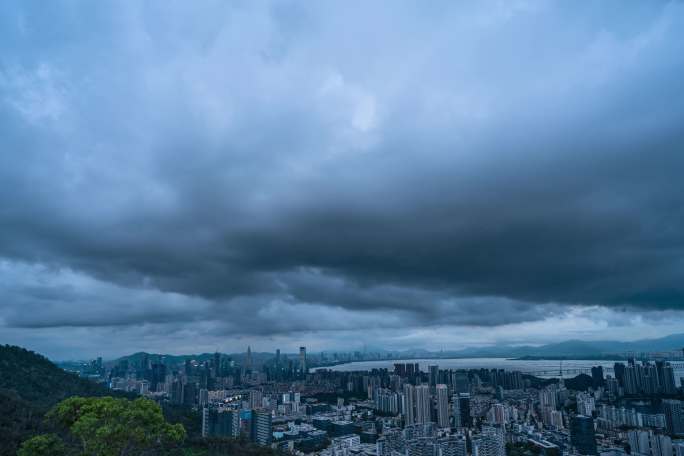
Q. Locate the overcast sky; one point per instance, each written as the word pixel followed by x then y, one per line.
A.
pixel 190 176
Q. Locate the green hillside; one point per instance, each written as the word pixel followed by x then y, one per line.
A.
pixel 29 385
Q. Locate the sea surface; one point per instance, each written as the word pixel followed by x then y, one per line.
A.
pixel 538 367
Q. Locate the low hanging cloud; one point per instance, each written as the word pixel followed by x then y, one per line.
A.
pixel 277 169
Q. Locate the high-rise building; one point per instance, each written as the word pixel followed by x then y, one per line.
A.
pixel 674 416
pixel 442 395
pixel 456 411
pixel 464 409
pixel 255 399
pixel 619 370
pixel 647 443
pixel 668 379
pixel 423 414
pixel 582 435
pixel 302 359
pixel 408 404
pixel 220 423
pixel 248 359
pixel 597 376
pixel 434 373
pixel 262 427
pixel 461 383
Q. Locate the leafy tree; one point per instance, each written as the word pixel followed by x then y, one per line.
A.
pixel 106 426
pixel 43 445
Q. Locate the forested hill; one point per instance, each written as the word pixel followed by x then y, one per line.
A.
pixel 29 385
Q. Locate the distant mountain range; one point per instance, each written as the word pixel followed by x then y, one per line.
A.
pixel 577 349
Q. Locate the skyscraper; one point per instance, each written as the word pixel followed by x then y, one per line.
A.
pixel 464 409
pixel 597 376
pixel 582 434
pixel 434 372
pixel 248 360
pixel 442 394
pixel 302 359
pixel 408 404
pixel 423 404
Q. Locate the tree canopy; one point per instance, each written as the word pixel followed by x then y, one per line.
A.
pixel 107 426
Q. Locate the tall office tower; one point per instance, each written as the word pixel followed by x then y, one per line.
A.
pixel 248 359
pixel 434 372
pixel 619 370
pixel 302 359
pixel 456 411
pixel 582 434
pixel 190 392
pixel 454 445
pixel 158 376
pixel 597 376
pixel 423 404
pixel 408 404
pixel 262 427
pixel 277 357
pixel 461 382
pixel 490 442
pixel 674 416
pixel 464 409
pixel 442 394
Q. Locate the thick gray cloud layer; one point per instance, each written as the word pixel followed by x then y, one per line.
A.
pixel 263 169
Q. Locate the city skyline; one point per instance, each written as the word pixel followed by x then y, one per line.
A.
pixel 189 178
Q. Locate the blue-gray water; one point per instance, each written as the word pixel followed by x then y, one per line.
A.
pixel 550 368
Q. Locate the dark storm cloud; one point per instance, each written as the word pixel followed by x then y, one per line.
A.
pixel 293 167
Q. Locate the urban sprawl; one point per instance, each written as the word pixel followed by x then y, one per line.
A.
pixel 285 402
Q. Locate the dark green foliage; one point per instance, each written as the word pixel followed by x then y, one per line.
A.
pixel 43 445
pixel 29 386
pixel 107 426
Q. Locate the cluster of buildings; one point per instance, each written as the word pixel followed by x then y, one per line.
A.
pixel 409 411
